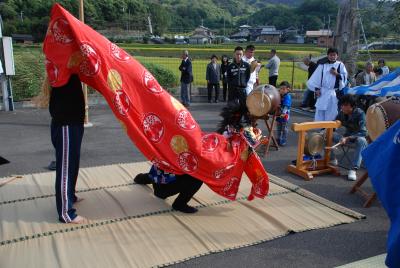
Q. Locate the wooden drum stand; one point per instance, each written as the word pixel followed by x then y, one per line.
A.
pixel 308 168
pixel 270 129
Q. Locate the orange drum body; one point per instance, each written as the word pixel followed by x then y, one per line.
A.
pixel 263 100
pixel 380 116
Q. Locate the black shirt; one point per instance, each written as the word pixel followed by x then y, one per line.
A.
pixel 67 104
pixel 238 74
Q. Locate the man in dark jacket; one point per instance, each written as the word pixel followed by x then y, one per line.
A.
pixel 186 77
pixel 308 102
pixel 353 120
pixel 238 74
pixel 212 76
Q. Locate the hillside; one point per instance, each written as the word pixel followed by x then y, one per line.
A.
pixel 182 16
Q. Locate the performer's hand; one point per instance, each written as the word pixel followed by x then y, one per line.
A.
pixel 257 82
pixel 343 140
pixel 317 92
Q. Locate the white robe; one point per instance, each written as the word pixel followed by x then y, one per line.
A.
pixel 253 75
pixel 326 105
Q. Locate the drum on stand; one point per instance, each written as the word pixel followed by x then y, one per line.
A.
pixel 263 100
pixel 380 116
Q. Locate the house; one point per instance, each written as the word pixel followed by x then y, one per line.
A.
pixel 22 38
pixel 269 35
pixel 265 34
pixel 323 38
pixel 243 34
pixel 201 35
pixel 291 36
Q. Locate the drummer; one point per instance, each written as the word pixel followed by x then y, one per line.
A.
pixel 249 58
pixel 355 131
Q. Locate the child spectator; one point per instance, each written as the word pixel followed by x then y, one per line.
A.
pixel 283 119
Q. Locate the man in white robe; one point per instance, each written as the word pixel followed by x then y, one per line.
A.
pixel 249 58
pixel 330 75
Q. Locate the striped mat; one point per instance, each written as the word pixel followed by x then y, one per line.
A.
pixel 129 227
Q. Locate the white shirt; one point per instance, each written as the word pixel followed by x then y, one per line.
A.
pixel 253 75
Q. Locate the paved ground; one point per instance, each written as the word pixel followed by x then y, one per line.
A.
pixel 25 141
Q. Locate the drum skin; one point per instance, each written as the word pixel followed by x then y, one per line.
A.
pixel 380 116
pixel 314 143
pixel 263 100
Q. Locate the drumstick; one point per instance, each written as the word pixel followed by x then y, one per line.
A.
pixel 334 146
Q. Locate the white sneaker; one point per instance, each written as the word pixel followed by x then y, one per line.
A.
pixel 352 176
pixel 333 162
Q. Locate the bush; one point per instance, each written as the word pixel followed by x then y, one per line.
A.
pixel 29 74
pixel 165 77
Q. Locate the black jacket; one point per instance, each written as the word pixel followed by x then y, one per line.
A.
pixel 311 68
pixel 67 104
pixel 224 68
pixel 213 75
pixel 186 71
pixel 238 74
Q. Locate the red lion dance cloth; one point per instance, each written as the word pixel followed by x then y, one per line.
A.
pixel 159 125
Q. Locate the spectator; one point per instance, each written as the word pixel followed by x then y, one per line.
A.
pixel 238 75
pixel 249 58
pixel 186 78
pixel 213 75
pixel 273 66
pixel 367 76
pixel 308 102
pixel 282 120
pixel 328 78
pixel 353 120
pixel 224 67
pixel 382 70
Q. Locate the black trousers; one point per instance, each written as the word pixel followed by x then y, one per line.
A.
pixel 67 140
pixel 272 80
pixel 210 88
pixel 238 96
pixel 224 89
pixel 185 185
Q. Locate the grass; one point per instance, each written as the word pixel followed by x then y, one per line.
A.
pixel 199 70
pixel 29 63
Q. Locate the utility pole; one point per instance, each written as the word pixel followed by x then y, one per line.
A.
pixel 84 86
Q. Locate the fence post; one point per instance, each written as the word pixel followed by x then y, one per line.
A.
pixel 293 74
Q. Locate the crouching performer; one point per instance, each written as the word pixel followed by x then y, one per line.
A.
pixel 168 184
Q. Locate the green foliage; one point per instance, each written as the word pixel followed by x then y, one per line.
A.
pixel 29 72
pixel 165 77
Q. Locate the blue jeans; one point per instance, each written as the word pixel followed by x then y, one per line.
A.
pixel 282 128
pixel 360 144
pixel 185 93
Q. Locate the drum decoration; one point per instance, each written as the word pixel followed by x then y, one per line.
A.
pixel 263 100
pixel 380 116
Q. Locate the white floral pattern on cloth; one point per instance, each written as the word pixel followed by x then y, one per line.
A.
pixel 62 31
pixel 90 65
pixel 151 83
pixel 153 127
pixel 187 162
pixel 231 188
pixel 118 53
pixel 221 173
pixel 210 142
pixel 185 120
pixel 52 71
pixel 121 102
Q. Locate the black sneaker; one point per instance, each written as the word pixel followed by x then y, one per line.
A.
pixel 142 178
pixel 184 208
